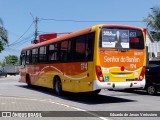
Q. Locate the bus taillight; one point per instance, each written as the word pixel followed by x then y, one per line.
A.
pixel 99 74
pixel 142 73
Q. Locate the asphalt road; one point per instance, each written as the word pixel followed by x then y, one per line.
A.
pixel 16 96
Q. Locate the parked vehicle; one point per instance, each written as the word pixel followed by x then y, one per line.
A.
pixel 152 85
pixel 152 79
pixel 11 69
pixel 3 73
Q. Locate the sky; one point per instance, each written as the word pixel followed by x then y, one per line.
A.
pixel 18 17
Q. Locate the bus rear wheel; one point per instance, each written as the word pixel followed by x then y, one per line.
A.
pixel 57 86
pixel 96 92
pixel 28 81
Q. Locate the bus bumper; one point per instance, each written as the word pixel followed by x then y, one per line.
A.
pixel 119 85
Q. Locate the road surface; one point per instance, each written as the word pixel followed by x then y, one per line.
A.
pixel 16 96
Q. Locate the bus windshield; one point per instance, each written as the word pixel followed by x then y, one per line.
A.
pixel 121 38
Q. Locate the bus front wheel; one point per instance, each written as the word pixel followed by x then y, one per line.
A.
pixel 57 86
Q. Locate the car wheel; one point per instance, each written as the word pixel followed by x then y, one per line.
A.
pixel 151 90
pixel 57 86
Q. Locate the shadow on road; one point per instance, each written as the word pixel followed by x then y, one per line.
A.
pixel 85 98
pixel 139 92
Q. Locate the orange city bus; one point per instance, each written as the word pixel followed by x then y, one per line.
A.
pixel 99 57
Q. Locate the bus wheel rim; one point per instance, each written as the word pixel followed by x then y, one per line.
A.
pixel 151 90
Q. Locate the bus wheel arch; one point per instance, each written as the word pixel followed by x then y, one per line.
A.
pixel 28 80
pixel 96 91
pixel 57 85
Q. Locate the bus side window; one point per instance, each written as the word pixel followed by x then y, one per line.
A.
pixel 90 46
pixel 65 53
pixel 88 54
pixel 43 54
pixel 79 54
pixel 69 51
pixel 83 47
pixel 23 58
pixel 27 57
pixel 53 52
pixel 35 55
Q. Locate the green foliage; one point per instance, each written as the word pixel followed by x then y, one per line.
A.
pixel 153 22
pixel 1 46
pixel 11 59
pixel 2 63
pixel 3 36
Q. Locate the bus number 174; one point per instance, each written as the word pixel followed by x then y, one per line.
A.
pixel 84 66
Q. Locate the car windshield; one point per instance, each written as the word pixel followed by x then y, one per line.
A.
pixel 121 38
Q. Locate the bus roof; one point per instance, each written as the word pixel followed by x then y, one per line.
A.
pixel 121 26
pixel 74 34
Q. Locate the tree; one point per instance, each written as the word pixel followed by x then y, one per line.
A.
pixel 2 63
pixel 3 36
pixel 11 59
pixel 153 22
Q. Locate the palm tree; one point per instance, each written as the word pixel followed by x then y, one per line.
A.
pixel 153 22
pixel 3 36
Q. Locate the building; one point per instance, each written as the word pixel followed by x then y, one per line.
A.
pixel 153 48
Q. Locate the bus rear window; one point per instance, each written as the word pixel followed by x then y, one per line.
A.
pixel 121 38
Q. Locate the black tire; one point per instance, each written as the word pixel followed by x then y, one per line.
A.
pixel 93 93
pixel 28 81
pixel 96 91
pixel 110 89
pixel 57 86
pixel 151 90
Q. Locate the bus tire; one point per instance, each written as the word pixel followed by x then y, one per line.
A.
pixel 97 91
pixel 58 86
pixel 28 81
pixel 151 89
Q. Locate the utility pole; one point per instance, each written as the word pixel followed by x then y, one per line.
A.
pixel 36 29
